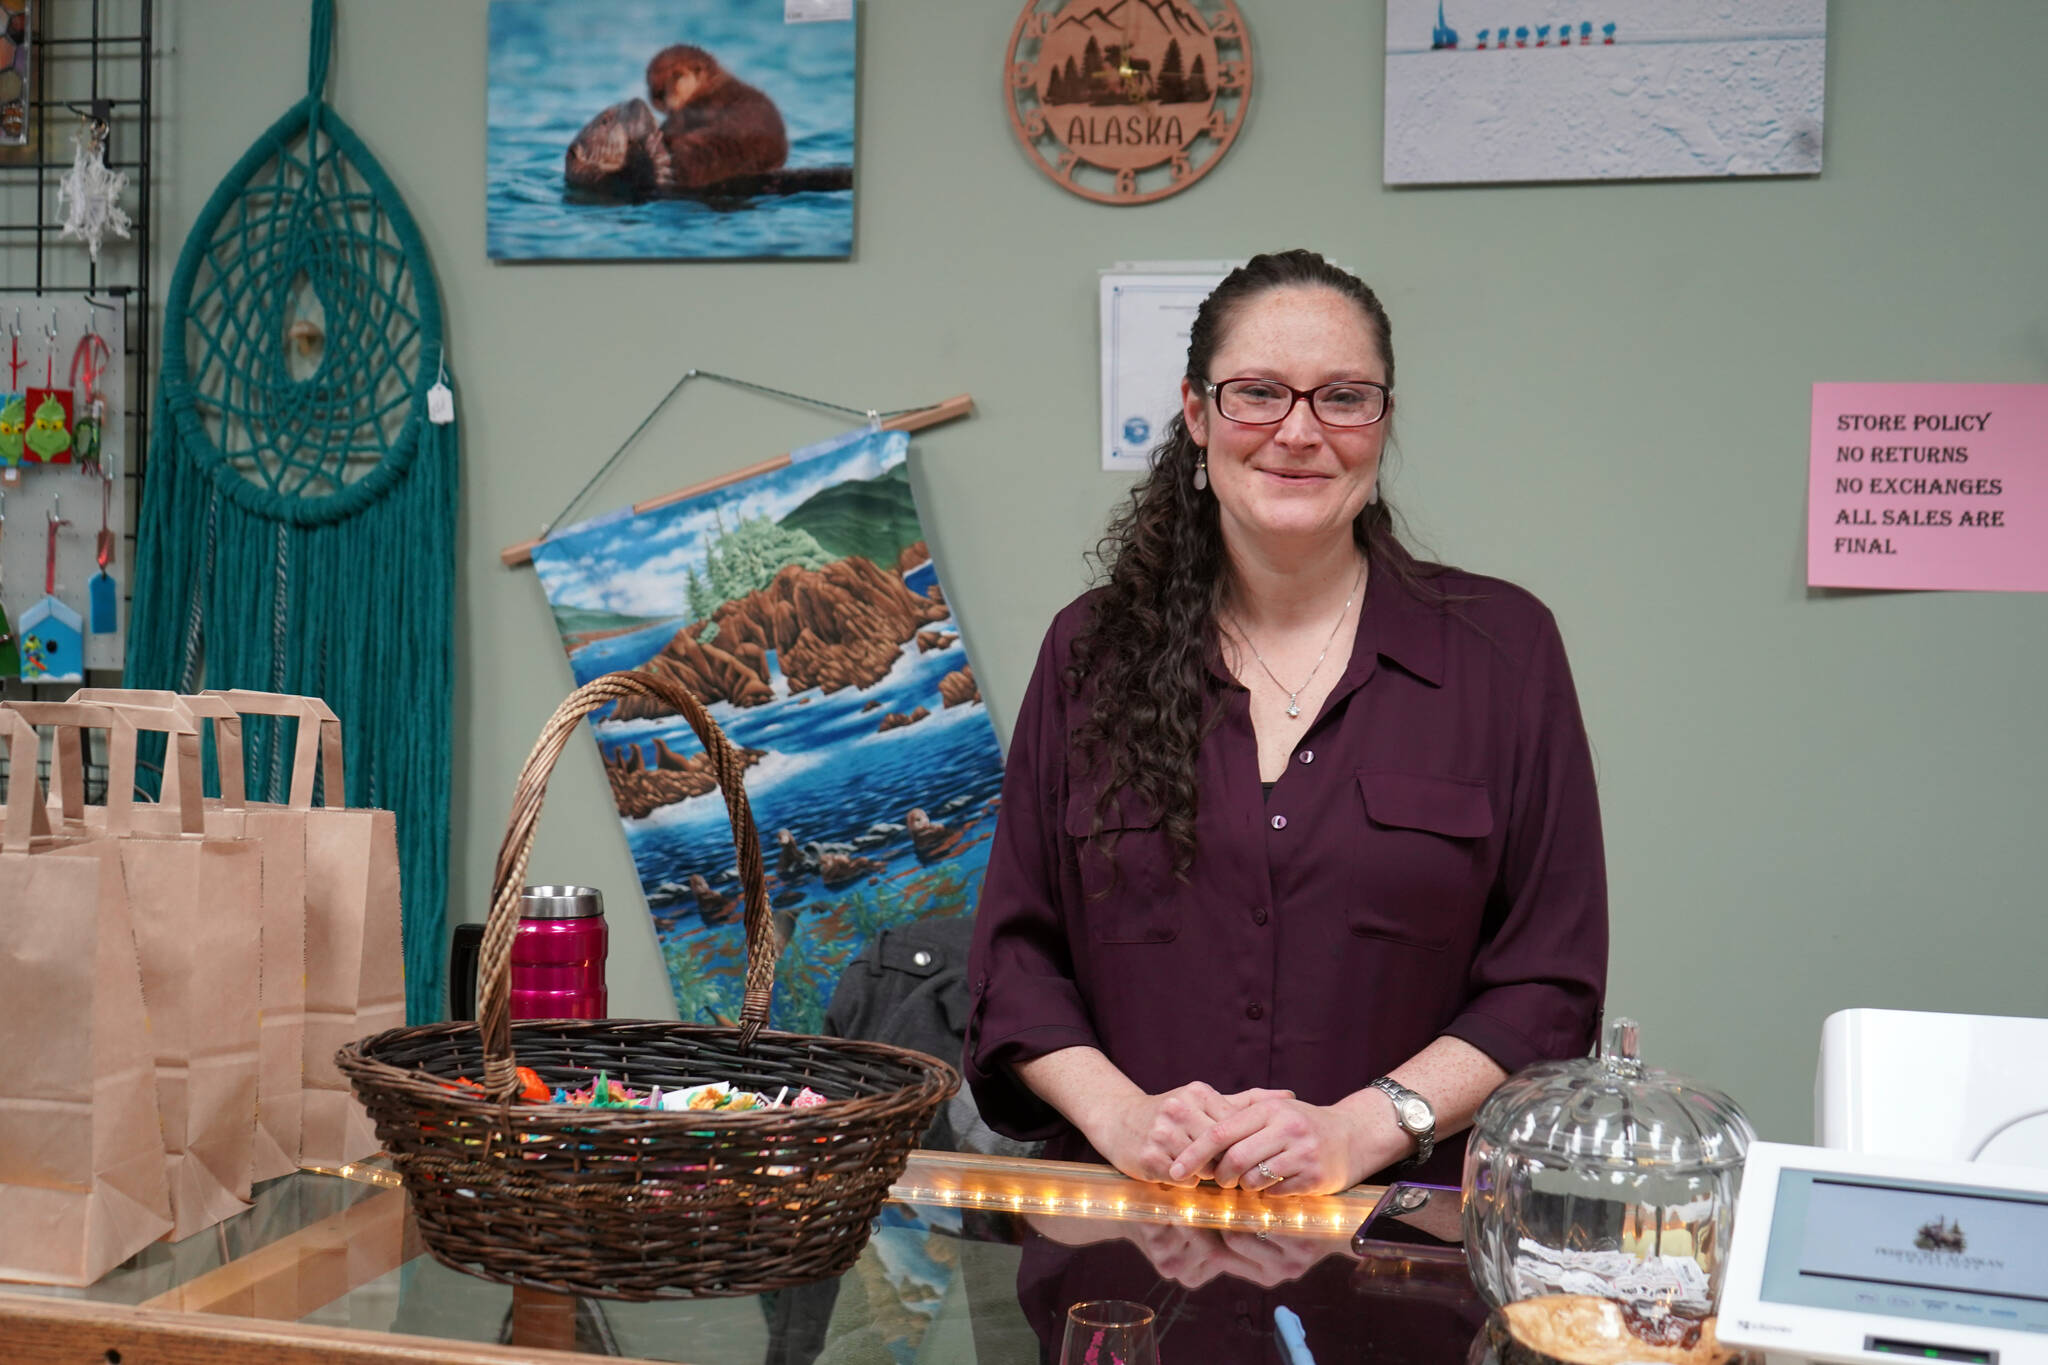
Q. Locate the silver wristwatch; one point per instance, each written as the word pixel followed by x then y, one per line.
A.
pixel 1414 1115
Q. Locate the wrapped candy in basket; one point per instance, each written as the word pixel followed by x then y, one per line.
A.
pixel 610 1197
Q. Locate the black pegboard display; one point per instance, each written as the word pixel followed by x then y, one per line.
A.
pixel 87 60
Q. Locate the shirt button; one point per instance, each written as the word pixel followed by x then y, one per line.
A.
pixel 1307 755
pixel 1279 822
pixel 1258 914
pixel 1255 1011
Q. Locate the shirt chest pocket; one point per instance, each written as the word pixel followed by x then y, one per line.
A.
pixel 1423 861
pixel 1134 899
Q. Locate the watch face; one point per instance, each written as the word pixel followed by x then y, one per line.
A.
pixel 1414 1115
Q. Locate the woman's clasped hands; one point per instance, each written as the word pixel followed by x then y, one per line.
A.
pixel 1265 1141
pixel 1146 1137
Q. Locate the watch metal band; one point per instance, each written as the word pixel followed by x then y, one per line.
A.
pixel 1404 1099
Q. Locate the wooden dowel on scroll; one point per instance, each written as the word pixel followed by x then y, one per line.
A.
pixel 959 405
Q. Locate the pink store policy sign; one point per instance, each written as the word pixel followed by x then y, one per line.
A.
pixel 1929 486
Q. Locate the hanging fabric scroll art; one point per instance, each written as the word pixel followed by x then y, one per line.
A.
pixel 298 528
pixel 803 607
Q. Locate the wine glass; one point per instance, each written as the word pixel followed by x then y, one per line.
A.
pixel 1109 1332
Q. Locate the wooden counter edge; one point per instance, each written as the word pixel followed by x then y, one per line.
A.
pixel 39 1331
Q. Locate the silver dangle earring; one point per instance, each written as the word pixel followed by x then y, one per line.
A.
pixel 1374 496
pixel 1202 474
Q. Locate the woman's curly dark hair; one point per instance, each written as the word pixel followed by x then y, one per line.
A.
pixel 1165 576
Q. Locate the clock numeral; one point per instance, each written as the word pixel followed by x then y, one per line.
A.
pixel 1127 181
pixel 1181 168
pixel 1230 76
pixel 1034 124
pixel 1022 77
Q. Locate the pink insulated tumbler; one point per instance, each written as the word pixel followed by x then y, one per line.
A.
pixel 558 954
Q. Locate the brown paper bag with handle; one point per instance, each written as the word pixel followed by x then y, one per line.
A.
pixel 280 831
pixel 355 962
pixel 195 899
pixel 82 1178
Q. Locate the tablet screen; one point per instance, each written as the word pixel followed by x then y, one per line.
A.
pixel 1910 1249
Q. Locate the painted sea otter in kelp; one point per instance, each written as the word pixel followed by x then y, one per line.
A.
pixel 721 139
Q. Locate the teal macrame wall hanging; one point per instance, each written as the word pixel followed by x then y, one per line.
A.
pixel 298 522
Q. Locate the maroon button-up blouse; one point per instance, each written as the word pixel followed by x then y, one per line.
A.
pixel 1429 864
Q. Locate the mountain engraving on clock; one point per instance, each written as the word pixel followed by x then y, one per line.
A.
pixel 1128 101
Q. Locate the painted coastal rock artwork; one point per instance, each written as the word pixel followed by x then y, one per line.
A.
pixel 802 606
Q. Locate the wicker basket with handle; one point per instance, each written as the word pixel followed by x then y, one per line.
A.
pixel 634 1203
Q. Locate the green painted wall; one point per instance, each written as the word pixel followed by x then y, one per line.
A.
pixel 1814 800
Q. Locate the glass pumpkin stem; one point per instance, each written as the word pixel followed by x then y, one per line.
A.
pixel 1620 1048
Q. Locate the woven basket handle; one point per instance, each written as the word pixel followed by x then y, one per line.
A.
pixel 494 967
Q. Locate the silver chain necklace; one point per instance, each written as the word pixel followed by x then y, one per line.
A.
pixel 1294 706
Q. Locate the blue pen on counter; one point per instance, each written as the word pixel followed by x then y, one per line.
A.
pixel 1293 1340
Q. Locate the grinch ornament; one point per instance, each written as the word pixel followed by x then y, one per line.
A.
pixel 13 410
pixel 49 410
pixel 49 429
pixel 13 429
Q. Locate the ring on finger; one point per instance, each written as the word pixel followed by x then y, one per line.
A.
pixel 1267 1171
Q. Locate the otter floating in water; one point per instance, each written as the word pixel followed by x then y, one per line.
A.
pixel 624 153
pixel 718 126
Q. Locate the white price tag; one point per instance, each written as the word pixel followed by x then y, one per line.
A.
pixel 440 404
pixel 815 11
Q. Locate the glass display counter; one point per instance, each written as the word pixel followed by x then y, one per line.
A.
pixel 974 1259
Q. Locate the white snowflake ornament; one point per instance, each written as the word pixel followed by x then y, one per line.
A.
pixel 90 194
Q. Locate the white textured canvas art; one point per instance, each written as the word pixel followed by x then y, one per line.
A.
pixel 1530 90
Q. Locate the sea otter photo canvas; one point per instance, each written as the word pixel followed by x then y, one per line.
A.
pixel 803 608
pixel 670 129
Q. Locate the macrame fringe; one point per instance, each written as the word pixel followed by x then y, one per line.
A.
pixel 379 651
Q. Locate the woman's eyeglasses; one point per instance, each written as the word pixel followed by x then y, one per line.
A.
pixel 1266 402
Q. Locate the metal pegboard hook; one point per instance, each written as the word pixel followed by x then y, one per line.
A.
pixel 92 314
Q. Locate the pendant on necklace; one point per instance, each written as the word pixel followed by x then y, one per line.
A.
pixel 1293 707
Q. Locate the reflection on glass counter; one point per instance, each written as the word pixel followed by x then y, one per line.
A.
pixel 975 1259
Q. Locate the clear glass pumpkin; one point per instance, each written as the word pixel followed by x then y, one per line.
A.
pixel 1604 1176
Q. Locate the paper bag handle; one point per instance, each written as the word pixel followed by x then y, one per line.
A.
pixel 227 735
pixel 494 967
pixel 67 772
pixel 27 816
pixel 319 740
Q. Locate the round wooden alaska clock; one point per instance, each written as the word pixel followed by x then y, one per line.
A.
pixel 1128 101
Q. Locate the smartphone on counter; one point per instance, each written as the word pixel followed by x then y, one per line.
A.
pixel 1411 1247
pixel 1414 1222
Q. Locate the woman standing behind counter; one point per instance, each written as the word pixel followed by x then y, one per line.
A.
pixel 1299 853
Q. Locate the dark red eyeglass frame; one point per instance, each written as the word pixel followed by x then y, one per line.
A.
pixel 1386 400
